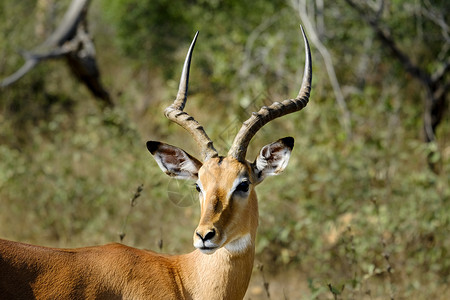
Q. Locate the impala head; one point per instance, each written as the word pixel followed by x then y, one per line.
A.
pixel 226 184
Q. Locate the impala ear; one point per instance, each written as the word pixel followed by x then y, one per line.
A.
pixel 174 161
pixel 273 158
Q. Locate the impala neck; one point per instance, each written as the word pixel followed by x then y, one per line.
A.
pixel 222 275
pixel 225 274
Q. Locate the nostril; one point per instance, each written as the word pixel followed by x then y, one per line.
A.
pixel 210 235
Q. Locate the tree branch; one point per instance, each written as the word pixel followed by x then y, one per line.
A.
pixel 386 38
pixel 436 87
pixel 70 40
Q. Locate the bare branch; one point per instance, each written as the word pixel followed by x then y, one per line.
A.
pixel 441 72
pixel 386 38
pixel 67 30
pixel 435 85
pixel 31 60
pixel 438 18
pixel 300 7
pixel 28 65
pixel 71 41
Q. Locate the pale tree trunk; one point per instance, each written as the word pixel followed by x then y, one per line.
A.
pixel 311 29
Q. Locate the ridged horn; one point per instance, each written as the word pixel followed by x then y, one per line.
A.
pixel 266 114
pixel 176 114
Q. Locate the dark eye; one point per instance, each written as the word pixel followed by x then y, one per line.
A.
pixel 243 187
pixel 198 188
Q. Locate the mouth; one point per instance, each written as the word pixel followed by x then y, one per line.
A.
pixel 208 246
pixel 207 250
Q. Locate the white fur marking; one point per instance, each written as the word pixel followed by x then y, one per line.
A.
pixel 236 182
pixel 188 166
pixel 201 194
pixel 239 245
pixel 274 167
pixel 284 161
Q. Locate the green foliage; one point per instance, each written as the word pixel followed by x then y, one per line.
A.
pixel 359 216
pixel 152 32
pixel 345 204
pixel 145 29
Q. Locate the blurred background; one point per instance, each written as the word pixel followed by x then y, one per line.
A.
pixel 363 209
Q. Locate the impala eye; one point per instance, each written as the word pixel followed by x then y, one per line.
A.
pixel 198 188
pixel 243 187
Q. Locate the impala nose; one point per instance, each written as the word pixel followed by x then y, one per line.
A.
pixel 207 236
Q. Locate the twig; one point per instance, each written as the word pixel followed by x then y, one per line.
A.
pixel 350 249
pixel 265 283
pixel 334 291
pixel 160 241
pixel 386 255
pixel 389 269
pixel 133 203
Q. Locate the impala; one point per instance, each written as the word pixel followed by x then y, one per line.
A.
pixel 221 265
